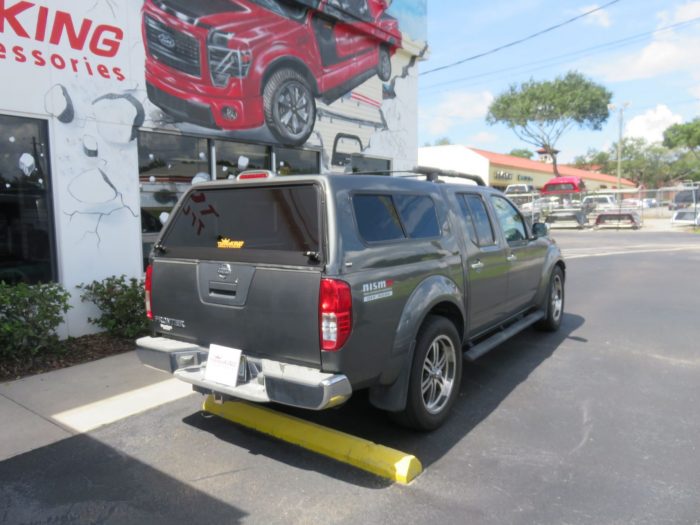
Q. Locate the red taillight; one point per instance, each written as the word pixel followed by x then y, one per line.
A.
pixel 148 287
pixel 334 314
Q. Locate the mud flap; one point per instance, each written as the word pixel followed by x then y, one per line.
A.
pixel 392 398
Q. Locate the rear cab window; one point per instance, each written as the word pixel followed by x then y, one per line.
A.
pixel 270 224
pixel 395 217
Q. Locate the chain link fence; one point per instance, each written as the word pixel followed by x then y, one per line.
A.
pixel 667 208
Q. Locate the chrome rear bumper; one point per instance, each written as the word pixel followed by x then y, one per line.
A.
pixel 260 381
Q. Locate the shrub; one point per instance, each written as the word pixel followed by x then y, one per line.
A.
pixel 121 303
pixel 29 316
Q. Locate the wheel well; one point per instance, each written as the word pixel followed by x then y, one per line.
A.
pixel 290 63
pixel 451 312
pixel 562 267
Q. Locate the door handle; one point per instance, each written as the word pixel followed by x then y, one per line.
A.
pixel 478 265
pixel 512 258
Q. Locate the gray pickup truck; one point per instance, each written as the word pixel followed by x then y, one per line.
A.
pixel 301 290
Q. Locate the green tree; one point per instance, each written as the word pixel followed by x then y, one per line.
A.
pixel 539 113
pixel 644 163
pixel 444 141
pixel 685 136
pixel 595 160
pixel 684 139
pixel 522 153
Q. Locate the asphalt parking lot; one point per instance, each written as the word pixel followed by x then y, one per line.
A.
pixel 595 424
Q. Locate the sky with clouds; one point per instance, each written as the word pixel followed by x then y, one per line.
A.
pixel 646 52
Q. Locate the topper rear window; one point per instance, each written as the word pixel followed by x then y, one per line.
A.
pixel 279 224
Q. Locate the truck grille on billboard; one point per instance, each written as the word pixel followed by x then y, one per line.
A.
pixel 173 49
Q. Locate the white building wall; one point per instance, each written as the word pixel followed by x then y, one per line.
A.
pixel 456 158
pixel 94 106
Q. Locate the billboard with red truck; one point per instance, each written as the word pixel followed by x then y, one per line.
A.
pixel 243 64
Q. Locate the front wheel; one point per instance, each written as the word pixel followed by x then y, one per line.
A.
pixel 435 375
pixel 555 302
pixel 290 107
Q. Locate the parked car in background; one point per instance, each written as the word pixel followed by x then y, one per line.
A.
pixel 600 202
pixel 564 186
pixel 686 217
pixel 512 189
pixel 685 198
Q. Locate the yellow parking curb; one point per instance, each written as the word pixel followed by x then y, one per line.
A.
pixel 361 453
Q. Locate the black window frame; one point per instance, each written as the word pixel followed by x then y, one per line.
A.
pixel 49 192
pixel 277 150
pixel 527 235
pixel 405 236
pixel 477 242
pixel 403 221
pixel 271 257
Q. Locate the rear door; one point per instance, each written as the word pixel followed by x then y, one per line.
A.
pixel 486 266
pixel 241 267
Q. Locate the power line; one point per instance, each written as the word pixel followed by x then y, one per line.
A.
pixel 520 41
pixel 556 60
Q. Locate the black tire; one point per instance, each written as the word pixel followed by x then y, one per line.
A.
pixel 384 64
pixel 555 302
pixel 289 106
pixel 427 410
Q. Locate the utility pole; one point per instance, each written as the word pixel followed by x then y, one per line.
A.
pixel 613 107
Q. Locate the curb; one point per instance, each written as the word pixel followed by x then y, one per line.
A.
pixel 377 459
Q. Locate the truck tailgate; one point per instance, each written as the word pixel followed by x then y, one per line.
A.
pixel 266 312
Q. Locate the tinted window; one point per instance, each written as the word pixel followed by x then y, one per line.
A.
pixel 418 216
pixel 245 222
pixel 26 228
pixel 376 218
pixel 482 223
pixel 296 161
pixel 468 219
pixel 234 157
pixel 510 219
pixel 563 186
pixel 288 8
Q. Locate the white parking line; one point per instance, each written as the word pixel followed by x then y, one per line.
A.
pixel 630 252
pixel 93 415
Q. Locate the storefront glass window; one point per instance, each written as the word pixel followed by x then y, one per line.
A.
pixel 168 165
pixel 234 157
pixel 370 165
pixel 26 226
pixel 297 161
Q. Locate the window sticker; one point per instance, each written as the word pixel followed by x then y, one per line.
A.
pixel 228 244
pixel 200 212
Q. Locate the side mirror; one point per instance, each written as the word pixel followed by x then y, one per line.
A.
pixel 540 229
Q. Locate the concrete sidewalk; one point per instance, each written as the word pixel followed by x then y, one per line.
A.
pixel 39 410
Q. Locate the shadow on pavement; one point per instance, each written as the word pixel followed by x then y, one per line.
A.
pixel 80 480
pixel 485 384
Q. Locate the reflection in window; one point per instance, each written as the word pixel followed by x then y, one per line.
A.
pixel 482 223
pixel 234 157
pixel 418 215
pixel 377 218
pixel 296 161
pixel 510 219
pixel 168 166
pixel 26 231
pixel 370 165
